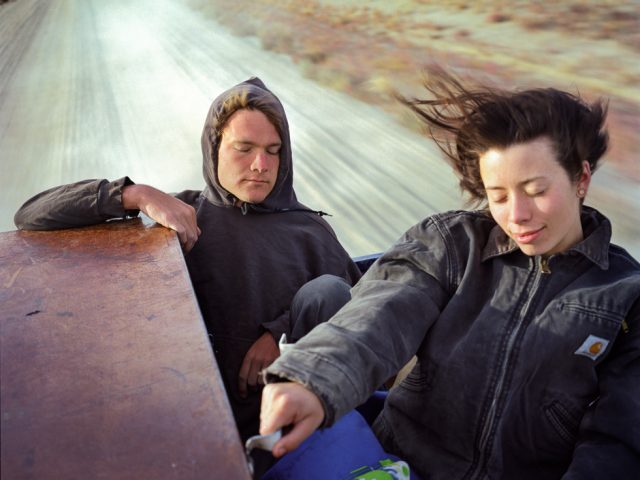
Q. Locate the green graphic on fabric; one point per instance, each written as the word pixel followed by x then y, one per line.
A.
pixel 388 470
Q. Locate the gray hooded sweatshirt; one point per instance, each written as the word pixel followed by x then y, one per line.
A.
pixel 247 264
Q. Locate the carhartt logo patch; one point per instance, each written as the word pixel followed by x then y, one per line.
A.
pixel 593 347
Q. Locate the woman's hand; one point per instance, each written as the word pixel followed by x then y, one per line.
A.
pixel 165 209
pixel 289 404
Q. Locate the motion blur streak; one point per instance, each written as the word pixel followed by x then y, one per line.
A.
pixel 92 89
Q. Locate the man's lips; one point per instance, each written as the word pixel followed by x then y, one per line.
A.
pixel 255 180
pixel 528 236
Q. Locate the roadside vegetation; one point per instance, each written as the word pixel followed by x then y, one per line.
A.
pixel 372 48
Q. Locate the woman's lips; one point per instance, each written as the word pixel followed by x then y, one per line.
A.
pixel 527 237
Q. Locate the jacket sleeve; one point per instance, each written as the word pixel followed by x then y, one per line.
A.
pixel 609 439
pixel 392 307
pixel 278 326
pixel 352 273
pixel 88 202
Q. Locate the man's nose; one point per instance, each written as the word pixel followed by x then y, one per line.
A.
pixel 261 162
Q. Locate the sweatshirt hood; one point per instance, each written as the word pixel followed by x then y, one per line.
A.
pixel 282 196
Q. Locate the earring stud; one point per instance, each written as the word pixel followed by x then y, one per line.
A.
pixel 581 192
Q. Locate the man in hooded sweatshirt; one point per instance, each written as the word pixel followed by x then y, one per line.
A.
pixel 249 244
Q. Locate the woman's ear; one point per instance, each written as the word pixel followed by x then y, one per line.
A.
pixel 584 180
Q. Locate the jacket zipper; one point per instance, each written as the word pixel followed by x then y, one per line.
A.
pixel 491 416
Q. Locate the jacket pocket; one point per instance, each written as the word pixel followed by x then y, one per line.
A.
pixel 608 318
pixel 564 422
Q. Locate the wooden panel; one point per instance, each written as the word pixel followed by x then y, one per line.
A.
pixel 106 369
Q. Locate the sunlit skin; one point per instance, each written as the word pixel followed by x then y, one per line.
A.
pixel 532 198
pixel 249 156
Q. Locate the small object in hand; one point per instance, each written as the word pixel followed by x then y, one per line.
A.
pixel 283 345
pixel 264 442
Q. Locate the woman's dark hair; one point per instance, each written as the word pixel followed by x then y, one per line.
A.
pixel 465 123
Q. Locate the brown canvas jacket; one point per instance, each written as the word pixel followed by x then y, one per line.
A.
pixel 527 369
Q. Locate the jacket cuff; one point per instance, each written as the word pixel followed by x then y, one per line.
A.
pixel 329 415
pixel 320 376
pixel 278 326
pixel 110 199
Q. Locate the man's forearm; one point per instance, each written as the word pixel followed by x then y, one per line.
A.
pixel 133 196
pixel 83 203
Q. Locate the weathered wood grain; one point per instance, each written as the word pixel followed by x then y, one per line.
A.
pixel 107 371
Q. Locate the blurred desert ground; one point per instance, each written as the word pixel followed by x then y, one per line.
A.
pixel 370 48
pixel 100 89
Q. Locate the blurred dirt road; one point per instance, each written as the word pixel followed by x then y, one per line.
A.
pixel 92 89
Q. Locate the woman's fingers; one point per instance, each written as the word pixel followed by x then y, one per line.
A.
pixel 298 434
pixel 289 404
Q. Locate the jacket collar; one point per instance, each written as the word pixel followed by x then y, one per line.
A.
pixel 595 245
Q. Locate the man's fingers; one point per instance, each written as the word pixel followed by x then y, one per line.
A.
pixel 187 234
pixel 242 387
pixel 182 234
pixel 174 214
pixel 261 354
pixel 189 243
pixel 254 374
pixel 244 375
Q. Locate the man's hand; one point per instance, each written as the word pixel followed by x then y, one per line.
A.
pixel 261 354
pixel 286 404
pixel 168 211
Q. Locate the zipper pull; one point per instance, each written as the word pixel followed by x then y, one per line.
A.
pixel 544 265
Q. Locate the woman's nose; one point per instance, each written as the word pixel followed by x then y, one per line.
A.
pixel 519 210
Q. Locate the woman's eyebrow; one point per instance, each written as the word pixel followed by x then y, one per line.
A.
pixel 520 184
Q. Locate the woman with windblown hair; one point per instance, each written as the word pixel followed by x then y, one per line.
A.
pixel 524 318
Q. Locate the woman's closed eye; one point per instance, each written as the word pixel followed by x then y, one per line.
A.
pixel 537 192
pixel 497 198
